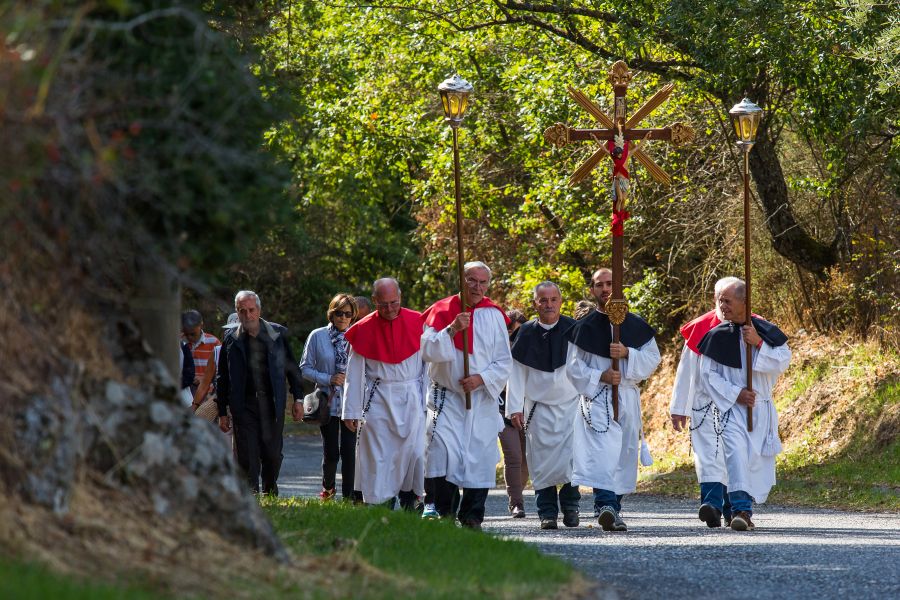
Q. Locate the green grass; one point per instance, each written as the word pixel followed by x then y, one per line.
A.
pixel 423 559
pixel 19 581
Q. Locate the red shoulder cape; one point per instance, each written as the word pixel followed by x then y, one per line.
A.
pixel 440 314
pixel 694 331
pixel 387 341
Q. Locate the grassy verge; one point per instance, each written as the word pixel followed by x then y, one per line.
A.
pixel 26 582
pixel 401 555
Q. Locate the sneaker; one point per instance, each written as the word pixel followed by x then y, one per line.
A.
pixel 740 521
pixel 570 518
pixel 326 495
pixel 606 517
pixel 548 524
pixel 430 512
pixel 711 515
pixel 517 512
pixel 471 524
pixel 619 524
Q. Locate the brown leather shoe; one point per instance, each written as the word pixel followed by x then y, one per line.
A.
pixel 740 521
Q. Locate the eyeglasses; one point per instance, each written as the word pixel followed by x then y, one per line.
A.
pixel 343 313
pixel 472 282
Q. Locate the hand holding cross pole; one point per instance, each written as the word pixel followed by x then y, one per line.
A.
pixel 619 139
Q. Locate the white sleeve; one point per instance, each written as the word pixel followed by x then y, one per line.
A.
pixel 772 361
pixel 515 389
pixel 641 362
pixel 354 386
pixel 681 391
pixel 437 346
pixel 585 379
pixel 497 372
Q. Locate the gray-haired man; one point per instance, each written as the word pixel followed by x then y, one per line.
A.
pixel 254 360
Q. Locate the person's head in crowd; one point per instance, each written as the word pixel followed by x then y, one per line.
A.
pixel 477 279
pixel 601 287
pixel 386 294
pixel 341 311
pixel 249 309
pixel 192 326
pixel 516 319
pixel 583 308
pixel 363 307
pixel 547 302
pixel 232 321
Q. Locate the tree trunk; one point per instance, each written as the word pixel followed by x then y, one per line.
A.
pixel 788 238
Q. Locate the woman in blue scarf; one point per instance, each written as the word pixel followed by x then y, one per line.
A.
pixel 324 363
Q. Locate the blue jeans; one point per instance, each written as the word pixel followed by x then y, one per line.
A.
pixel 741 500
pixel 607 498
pixel 546 500
pixel 716 495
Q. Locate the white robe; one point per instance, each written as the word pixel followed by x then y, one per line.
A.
pixel 461 444
pixel 705 421
pixel 391 441
pixel 548 439
pixel 749 456
pixel 606 452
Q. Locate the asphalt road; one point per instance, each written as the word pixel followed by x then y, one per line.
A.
pixel 668 553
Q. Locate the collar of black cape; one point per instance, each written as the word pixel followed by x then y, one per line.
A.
pixel 593 333
pixel 723 344
pixel 542 349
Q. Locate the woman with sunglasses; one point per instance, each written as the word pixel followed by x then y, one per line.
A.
pixel 324 363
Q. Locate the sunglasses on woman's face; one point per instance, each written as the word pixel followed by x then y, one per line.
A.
pixel 343 313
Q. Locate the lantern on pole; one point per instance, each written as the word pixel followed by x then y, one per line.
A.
pixel 746 116
pixel 454 93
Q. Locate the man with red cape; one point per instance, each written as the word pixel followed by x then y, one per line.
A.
pixel 461 445
pixel 384 395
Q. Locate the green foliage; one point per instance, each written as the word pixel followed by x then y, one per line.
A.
pixel 404 546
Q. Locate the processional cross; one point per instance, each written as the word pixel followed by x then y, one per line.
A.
pixel 620 140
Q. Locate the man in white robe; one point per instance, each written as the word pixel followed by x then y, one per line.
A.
pixel 461 445
pixel 539 388
pixel 705 421
pixel 384 397
pixel 722 379
pixel 606 451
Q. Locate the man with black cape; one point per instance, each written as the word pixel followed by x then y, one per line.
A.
pixel 539 388
pixel 722 378
pixel 606 451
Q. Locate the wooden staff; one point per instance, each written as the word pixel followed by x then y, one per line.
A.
pixel 459 256
pixel 747 319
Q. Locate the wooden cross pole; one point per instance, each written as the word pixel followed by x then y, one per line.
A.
pixel 620 139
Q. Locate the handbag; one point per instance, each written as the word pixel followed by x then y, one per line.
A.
pixel 316 408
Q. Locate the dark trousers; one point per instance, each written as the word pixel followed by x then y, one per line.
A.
pixel 339 444
pixel 258 439
pixel 607 498
pixel 408 500
pixel 448 504
pixel 547 498
pixel 716 494
pixel 429 491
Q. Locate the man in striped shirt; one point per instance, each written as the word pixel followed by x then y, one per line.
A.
pixel 202 344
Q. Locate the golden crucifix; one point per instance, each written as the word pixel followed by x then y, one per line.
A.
pixel 620 140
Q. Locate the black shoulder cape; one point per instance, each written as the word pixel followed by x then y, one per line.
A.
pixel 593 334
pixel 542 349
pixel 723 344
